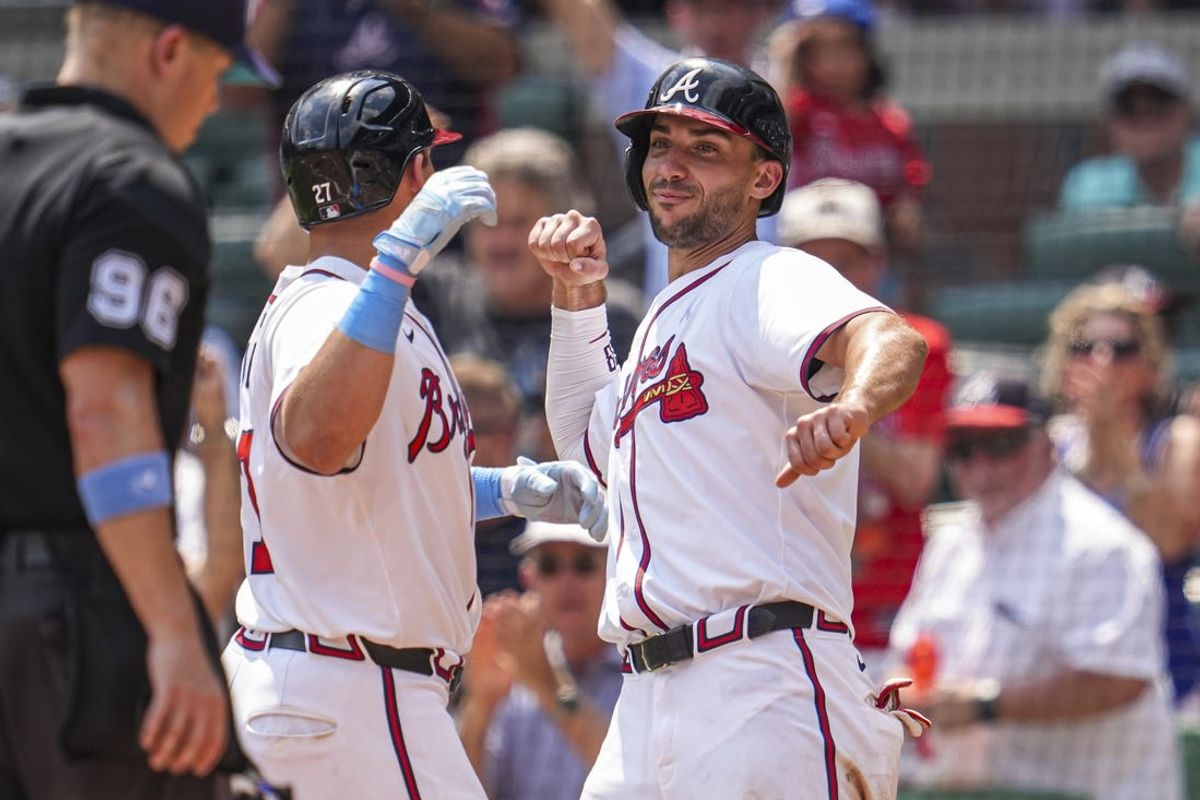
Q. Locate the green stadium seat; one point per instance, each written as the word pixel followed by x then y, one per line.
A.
pixel 230 162
pixel 983 794
pixel 1189 752
pixel 1013 312
pixel 1075 245
pixel 541 101
pixel 239 288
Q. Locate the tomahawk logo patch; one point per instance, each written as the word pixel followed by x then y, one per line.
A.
pixel 677 394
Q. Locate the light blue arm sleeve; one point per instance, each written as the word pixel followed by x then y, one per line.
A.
pixel 487 492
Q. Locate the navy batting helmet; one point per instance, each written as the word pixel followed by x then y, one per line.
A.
pixel 347 140
pixel 722 94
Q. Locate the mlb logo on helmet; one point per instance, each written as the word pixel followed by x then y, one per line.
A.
pixel 330 212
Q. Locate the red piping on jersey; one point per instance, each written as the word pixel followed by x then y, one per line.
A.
pixel 644 563
pixel 591 459
pixel 393 719
pixel 822 713
pixel 316 271
pixel 811 354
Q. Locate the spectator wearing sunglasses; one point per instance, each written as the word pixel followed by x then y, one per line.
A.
pixel 540 684
pixel 1107 370
pixel 1155 159
pixel 1045 607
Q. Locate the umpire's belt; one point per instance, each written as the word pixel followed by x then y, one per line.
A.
pixel 421 660
pixel 743 622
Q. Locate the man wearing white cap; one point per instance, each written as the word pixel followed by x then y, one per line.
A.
pixel 1155 161
pixel 540 683
pixel 840 222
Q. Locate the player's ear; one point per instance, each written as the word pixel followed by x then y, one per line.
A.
pixel 167 49
pixel 768 175
pixel 418 171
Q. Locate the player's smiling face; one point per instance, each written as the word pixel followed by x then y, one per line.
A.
pixel 700 181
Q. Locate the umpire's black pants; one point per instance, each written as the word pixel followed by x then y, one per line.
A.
pixel 33 694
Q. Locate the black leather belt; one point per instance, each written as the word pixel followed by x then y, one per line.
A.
pixel 651 655
pixel 409 659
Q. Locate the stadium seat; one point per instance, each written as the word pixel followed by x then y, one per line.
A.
pixel 540 101
pixel 1075 245
pixel 229 160
pixel 239 288
pixel 1011 312
pixel 1189 752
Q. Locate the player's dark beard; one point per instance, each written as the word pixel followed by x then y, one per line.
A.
pixel 718 213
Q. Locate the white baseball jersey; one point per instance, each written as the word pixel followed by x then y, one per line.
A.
pixel 691 436
pixel 1062 582
pixel 384 549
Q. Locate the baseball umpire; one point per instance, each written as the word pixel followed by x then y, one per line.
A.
pixel 105 276
pixel 359 499
pixel 729 578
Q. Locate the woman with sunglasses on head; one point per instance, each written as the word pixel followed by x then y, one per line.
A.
pixel 1107 368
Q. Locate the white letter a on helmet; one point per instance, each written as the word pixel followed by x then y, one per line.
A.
pixel 686 84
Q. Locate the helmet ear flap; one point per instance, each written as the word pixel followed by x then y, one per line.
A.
pixel 635 156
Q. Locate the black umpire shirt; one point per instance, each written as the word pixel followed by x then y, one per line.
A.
pixel 103 241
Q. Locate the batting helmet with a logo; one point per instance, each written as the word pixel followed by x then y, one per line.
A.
pixel 347 140
pixel 720 93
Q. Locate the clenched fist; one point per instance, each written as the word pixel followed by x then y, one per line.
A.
pixel 570 247
pixel 820 438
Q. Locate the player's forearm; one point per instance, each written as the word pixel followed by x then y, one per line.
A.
pixel 476 50
pixel 110 413
pixel 1067 696
pixel 578 298
pixel 270 28
pixel 589 26
pixel 334 403
pixel 883 358
pixel 579 365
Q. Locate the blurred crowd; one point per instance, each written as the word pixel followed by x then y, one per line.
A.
pixel 1030 522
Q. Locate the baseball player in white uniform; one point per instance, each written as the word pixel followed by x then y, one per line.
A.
pixel 728 577
pixel 359 498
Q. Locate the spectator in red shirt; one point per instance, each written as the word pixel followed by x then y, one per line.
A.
pixel 842 124
pixel 841 222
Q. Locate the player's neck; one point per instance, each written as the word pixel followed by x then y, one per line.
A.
pixel 349 239
pixel 682 261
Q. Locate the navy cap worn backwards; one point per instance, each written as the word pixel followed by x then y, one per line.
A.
pixel 987 400
pixel 223 21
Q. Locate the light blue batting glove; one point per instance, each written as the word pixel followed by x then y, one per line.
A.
pixel 448 199
pixel 555 491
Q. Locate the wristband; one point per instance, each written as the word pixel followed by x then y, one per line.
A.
pixel 487 492
pixel 373 318
pixel 126 486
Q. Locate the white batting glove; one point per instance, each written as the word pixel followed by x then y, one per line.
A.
pixel 888 701
pixel 448 199
pixel 554 491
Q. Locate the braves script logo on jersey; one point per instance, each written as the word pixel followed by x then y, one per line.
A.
pixel 452 417
pixel 678 392
pixel 687 84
